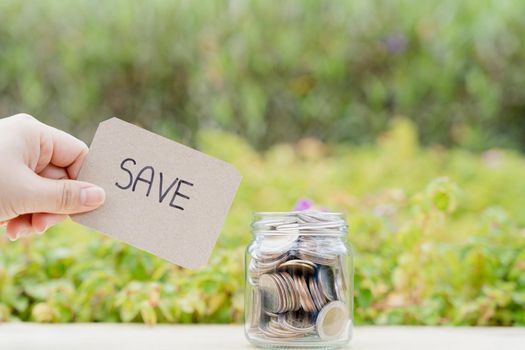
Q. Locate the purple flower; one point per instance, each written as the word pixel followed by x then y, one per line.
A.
pixel 396 43
pixel 303 204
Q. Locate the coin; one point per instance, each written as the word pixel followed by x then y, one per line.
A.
pixel 298 275
pixel 318 249
pixel 284 301
pixel 259 266
pixel 290 226
pixel 255 313
pixel 271 314
pixel 270 293
pixel 298 266
pixel 325 282
pixel 341 284
pixel 277 243
pixel 267 257
pixel 332 320
pixel 279 293
pixel 292 291
pixel 274 223
pixel 317 259
pixel 319 300
pixel 305 298
pixel 297 321
pixel 343 271
pixel 274 329
pixel 308 217
pixel 319 217
pixel 340 289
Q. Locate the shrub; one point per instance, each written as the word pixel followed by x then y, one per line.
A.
pixel 271 71
pixel 438 239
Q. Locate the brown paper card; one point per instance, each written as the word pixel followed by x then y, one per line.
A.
pixel 161 196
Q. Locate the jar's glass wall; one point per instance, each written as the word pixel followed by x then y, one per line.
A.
pixel 299 281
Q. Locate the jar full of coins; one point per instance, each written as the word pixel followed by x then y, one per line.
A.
pixel 299 281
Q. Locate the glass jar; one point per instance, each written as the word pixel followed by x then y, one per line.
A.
pixel 299 281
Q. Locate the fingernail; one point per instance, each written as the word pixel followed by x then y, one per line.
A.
pixel 12 239
pixel 42 232
pixel 92 196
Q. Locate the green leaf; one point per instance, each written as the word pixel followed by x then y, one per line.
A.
pixel 129 310
pixel 148 313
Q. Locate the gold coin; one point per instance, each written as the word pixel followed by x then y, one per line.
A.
pixel 332 320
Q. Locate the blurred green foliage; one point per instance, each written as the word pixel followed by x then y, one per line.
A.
pixel 429 249
pixel 271 71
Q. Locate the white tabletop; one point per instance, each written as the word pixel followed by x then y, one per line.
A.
pixel 27 336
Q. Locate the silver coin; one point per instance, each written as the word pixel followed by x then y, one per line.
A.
pixel 321 225
pixel 274 329
pixel 297 268
pixel 255 313
pixel 298 321
pixel 277 243
pixel 326 282
pixel 320 260
pixel 315 216
pixel 341 286
pixel 272 224
pixel 271 314
pixel 344 270
pixel 267 257
pixel 288 226
pixel 309 217
pixel 270 293
pixel 284 301
pixel 257 267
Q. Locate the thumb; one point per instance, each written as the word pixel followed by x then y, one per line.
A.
pixel 64 196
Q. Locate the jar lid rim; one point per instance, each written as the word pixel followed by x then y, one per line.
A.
pixel 341 233
pixel 263 222
pixel 298 212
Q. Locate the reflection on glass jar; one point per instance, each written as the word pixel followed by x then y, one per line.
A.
pixel 299 281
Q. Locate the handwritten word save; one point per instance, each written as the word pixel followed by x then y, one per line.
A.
pixel 146 175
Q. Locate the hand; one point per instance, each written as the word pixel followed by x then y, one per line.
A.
pixel 38 168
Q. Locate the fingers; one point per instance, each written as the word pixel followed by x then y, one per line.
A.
pixel 42 145
pixel 67 151
pixel 39 187
pixel 42 221
pixel 50 200
pixel 54 172
pixel 62 196
pixel 24 225
pixel 19 227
